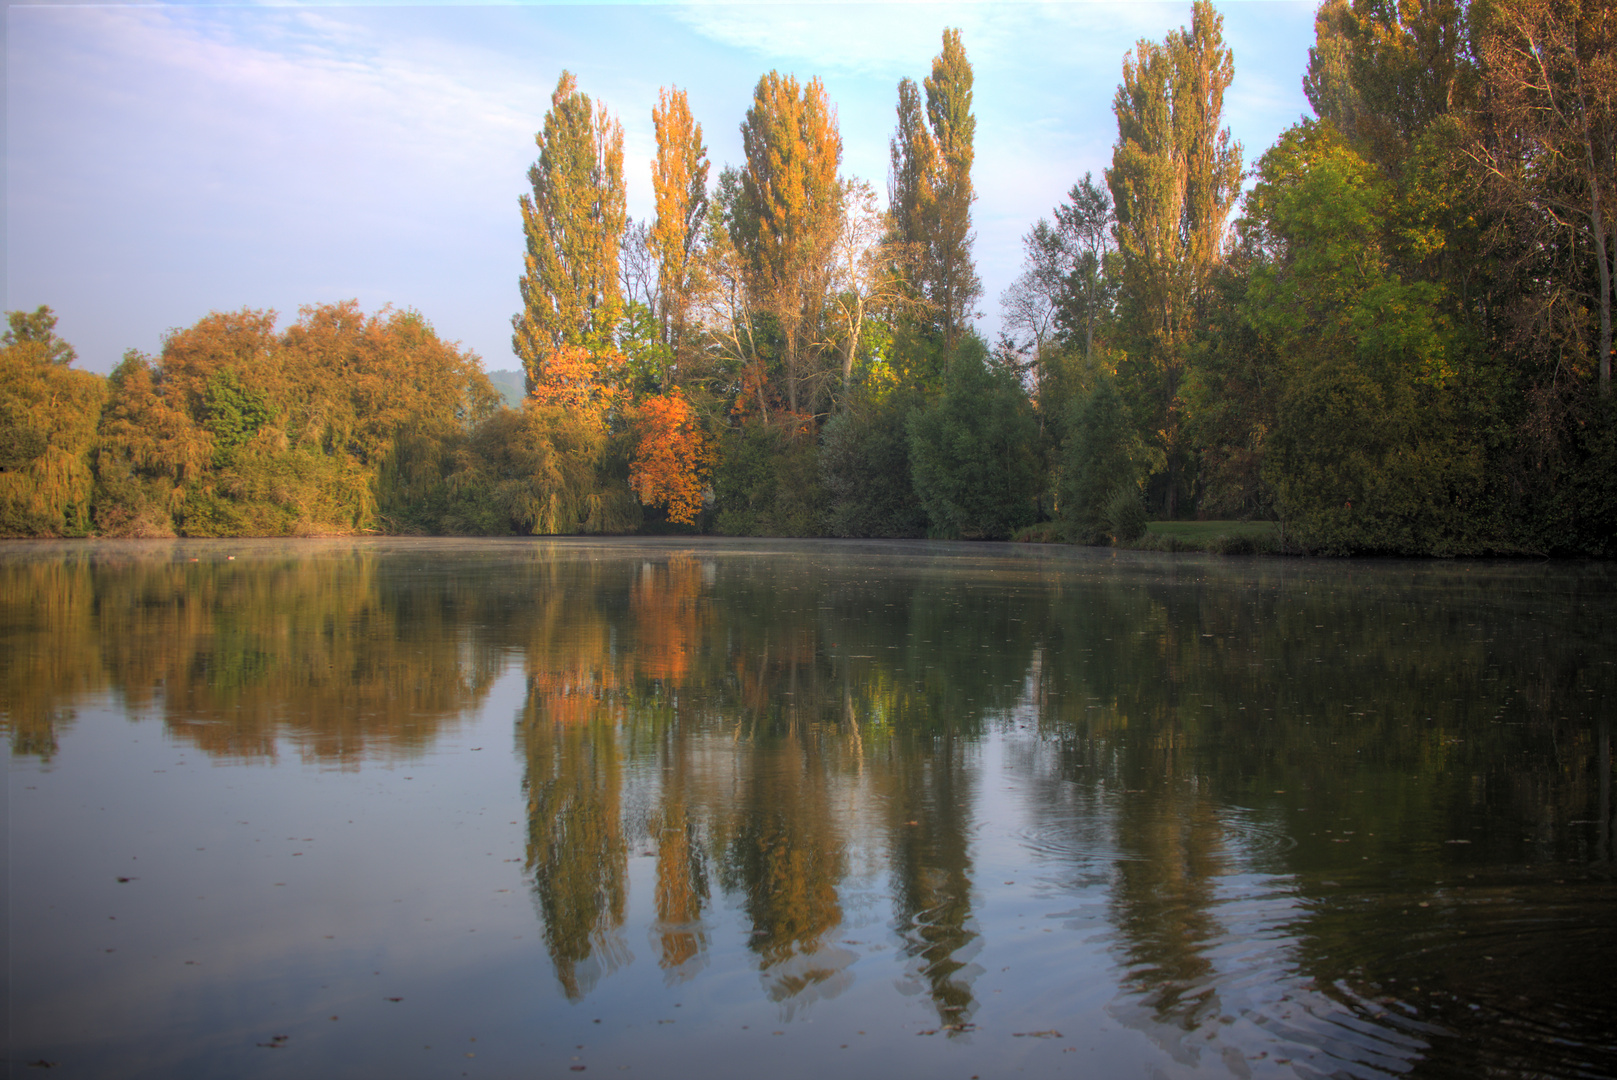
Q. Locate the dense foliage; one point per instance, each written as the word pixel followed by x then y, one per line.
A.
pixel 1401 344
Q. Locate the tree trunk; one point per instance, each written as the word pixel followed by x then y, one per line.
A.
pixel 1598 228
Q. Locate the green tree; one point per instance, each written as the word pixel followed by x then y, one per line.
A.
pixel 1174 178
pixel 951 275
pixel 972 451
pixel 1377 445
pixel 1085 222
pixel 1103 455
pixel 930 190
pixel 31 335
pixel 1328 83
pixel 1408 63
pixel 573 222
pixel 865 471
pixel 232 414
pixel 767 482
pixel 1546 143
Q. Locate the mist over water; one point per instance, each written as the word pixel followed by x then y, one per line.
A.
pixel 422 807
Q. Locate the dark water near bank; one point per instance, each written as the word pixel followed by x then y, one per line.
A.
pixel 530 808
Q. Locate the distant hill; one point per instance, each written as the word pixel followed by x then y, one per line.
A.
pixel 510 385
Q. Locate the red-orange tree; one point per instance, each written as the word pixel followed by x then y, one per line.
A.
pixel 673 456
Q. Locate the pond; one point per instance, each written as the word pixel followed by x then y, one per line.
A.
pixel 739 808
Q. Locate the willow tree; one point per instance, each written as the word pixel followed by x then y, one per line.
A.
pixel 679 182
pixel 786 221
pixel 573 221
pixel 1175 176
pixel 48 417
pixel 930 190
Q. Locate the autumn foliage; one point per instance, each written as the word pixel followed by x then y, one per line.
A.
pixel 583 381
pixel 673 456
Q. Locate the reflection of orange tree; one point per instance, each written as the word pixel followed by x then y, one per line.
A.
pixel 664 603
pixel 681 880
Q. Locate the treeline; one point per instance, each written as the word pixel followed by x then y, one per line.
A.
pixel 1398 340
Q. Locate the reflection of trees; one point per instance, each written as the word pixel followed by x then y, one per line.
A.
pixel 576 848
pixel 334 649
pixel 51 648
pixel 1378 714
pixel 929 829
pixel 1374 737
pixel 784 855
pixel 570 729
pixel 1164 902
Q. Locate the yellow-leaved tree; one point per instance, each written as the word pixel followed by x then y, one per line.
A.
pixel 48 417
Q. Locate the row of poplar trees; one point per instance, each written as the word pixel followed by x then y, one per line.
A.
pixel 733 357
pixel 1397 340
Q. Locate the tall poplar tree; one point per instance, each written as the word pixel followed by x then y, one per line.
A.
pixel 914 168
pixel 679 182
pixel 930 191
pixel 573 221
pixel 788 217
pixel 953 282
pixel 1175 176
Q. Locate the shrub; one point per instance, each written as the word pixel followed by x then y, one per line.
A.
pixel 1125 514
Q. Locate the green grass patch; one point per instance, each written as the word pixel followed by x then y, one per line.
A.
pixel 1210 530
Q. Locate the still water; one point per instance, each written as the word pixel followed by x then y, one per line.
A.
pixel 731 809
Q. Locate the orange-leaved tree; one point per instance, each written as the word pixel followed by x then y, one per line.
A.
pixel 673 456
pixel 581 380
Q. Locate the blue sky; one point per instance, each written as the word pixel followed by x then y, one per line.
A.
pixel 166 161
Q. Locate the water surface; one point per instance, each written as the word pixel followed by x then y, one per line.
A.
pixel 525 808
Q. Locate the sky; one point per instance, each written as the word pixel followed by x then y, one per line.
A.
pixel 165 161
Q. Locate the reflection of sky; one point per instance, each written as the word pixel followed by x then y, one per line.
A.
pixel 163 161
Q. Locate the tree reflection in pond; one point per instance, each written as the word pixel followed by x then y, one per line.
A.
pixel 328 652
pixel 1355 817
